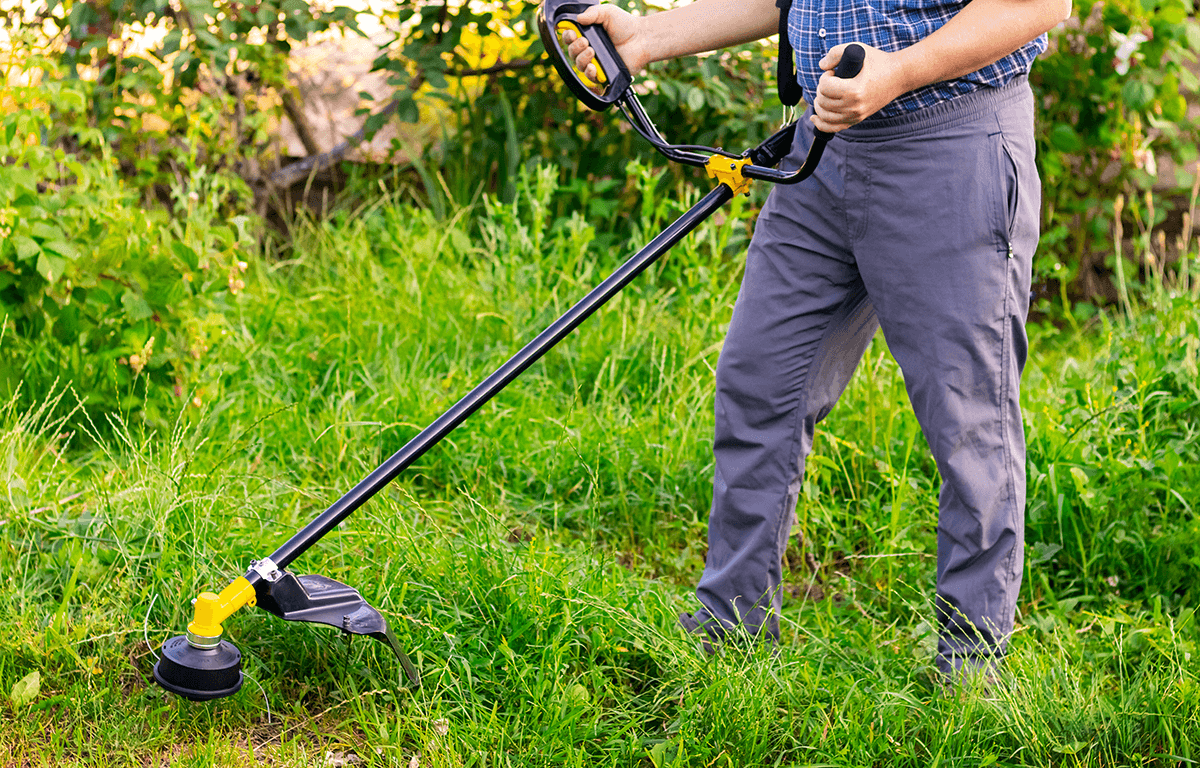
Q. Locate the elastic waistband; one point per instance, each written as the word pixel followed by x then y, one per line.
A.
pixel 961 109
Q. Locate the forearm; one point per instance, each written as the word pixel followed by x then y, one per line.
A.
pixel 704 25
pixel 982 33
pixel 707 25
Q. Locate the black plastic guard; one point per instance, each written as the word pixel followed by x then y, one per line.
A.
pixel 321 600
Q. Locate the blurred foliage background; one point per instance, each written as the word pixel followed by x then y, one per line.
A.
pixel 127 119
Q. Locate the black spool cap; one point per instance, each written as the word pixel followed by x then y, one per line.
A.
pixel 199 674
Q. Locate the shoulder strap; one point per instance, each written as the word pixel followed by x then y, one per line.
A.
pixel 785 70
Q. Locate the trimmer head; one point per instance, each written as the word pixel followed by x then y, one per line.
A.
pixel 199 674
pixel 201 666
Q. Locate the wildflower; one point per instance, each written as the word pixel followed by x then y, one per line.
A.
pixel 1127 46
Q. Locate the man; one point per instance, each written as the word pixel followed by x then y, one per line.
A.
pixel 922 219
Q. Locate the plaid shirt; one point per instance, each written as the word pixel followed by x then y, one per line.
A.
pixel 815 26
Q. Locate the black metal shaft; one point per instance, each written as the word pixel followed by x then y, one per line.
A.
pixel 489 387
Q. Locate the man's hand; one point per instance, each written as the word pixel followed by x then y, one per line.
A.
pixel 622 29
pixel 842 103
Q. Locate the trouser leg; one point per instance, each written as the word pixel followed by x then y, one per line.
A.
pixel 952 297
pixel 800 325
pixel 920 218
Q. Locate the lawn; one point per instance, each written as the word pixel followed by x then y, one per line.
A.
pixel 533 564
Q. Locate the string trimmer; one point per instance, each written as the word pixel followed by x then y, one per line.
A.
pixel 200 665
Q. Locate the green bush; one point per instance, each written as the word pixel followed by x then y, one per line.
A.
pixel 1112 95
pixel 124 303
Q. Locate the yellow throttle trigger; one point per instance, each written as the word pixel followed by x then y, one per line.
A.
pixel 728 171
pixel 601 76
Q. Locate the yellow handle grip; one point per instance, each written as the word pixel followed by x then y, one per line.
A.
pixel 600 74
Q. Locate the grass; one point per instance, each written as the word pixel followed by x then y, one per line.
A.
pixel 534 563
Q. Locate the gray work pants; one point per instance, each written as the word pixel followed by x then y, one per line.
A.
pixel 924 225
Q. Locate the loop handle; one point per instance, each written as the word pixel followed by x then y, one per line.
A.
pixel 556 16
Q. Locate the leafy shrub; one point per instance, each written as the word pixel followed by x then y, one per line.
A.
pixel 209 91
pixel 509 108
pixel 1111 97
pixel 123 302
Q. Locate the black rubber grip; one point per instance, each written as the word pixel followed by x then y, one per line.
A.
pixel 851 63
pixel 848 68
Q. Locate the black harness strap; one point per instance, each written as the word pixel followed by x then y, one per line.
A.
pixel 785 70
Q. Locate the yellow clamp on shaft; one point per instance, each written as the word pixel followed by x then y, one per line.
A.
pixel 211 610
pixel 728 171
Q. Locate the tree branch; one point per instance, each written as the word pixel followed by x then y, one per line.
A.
pixel 502 66
pixel 295 113
pixel 315 163
pixel 296 172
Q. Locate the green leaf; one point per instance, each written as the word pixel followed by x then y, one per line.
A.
pixel 23 178
pixel 26 689
pixel 695 99
pixel 407 111
pixel 136 307
pixel 171 42
pixel 295 28
pixel 206 39
pixel 374 122
pixel 72 98
pixel 1116 19
pixel 62 248
pixel 1173 13
pixel 1065 139
pixel 436 78
pixel 26 247
pixel 186 254
pixel 47 231
pixel 1137 95
pixel 199 7
pixel 1174 108
pixel 1074 748
pixel 50 267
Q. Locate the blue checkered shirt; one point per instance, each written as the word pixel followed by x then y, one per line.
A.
pixel 815 26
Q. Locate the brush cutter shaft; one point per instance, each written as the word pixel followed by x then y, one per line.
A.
pixel 503 375
pixel 768 153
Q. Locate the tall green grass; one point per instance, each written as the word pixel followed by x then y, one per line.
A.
pixel 533 564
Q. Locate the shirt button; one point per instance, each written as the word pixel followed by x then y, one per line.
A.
pixel 821 33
